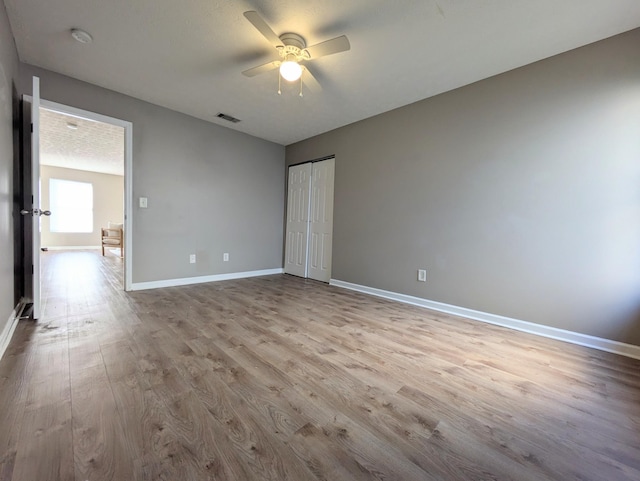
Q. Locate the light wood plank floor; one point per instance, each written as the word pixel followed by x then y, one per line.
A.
pixel 278 378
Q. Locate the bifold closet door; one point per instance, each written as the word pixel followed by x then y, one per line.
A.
pixel 297 235
pixel 309 233
pixel 321 221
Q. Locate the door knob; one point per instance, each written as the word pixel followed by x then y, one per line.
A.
pixel 35 212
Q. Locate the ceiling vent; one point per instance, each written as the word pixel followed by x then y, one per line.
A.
pixel 228 117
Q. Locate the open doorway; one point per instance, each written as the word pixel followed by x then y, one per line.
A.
pixel 83 182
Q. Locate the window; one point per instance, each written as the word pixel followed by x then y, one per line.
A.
pixel 71 205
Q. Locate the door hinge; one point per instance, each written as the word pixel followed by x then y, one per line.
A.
pixel 31 127
pixel 32 271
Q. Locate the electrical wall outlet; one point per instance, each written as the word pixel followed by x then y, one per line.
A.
pixel 192 259
pixel 225 257
pixel 422 275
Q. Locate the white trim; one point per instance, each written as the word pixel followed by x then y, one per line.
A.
pixel 128 175
pixel 616 347
pixel 36 235
pixel 10 326
pixel 127 248
pixel 139 286
pixel 69 248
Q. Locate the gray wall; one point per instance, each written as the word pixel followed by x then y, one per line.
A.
pixel 108 205
pixel 210 189
pixel 8 72
pixel 519 194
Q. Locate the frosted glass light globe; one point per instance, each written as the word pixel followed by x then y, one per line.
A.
pixel 290 71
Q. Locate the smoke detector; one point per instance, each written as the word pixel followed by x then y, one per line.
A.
pixel 81 36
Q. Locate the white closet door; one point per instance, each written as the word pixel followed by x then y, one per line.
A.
pixel 296 248
pixel 321 225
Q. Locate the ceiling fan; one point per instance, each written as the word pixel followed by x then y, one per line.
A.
pixel 293 52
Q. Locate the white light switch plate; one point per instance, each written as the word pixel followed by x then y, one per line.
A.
pixel 143 202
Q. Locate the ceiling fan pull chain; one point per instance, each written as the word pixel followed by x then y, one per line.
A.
pixel 279 91
pixel 300 85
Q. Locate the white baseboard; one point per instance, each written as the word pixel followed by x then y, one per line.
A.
pixel 628 350
pixel 70 248
pixel 10 327
pixel 140 286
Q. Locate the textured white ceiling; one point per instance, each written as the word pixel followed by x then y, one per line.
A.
pixel 93 146
pixel 188 55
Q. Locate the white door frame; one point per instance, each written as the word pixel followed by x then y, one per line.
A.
pixel 128 173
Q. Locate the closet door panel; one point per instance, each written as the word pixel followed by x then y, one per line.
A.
pixel 297 234
pixel 321 222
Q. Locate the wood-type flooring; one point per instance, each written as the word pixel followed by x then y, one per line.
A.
pixel 281 378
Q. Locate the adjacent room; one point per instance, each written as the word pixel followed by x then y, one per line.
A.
pixel 81 181
pixel 329 240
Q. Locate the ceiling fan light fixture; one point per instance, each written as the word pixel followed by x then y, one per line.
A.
pixel 293 50
pixel 290 70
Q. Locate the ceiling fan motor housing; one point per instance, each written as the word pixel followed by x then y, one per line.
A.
pixel 294 46
pixel 293 39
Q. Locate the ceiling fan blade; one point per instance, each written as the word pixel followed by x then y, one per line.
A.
pixel 335 45
pixel 310 81
pixel 252 72
pixel 263 28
